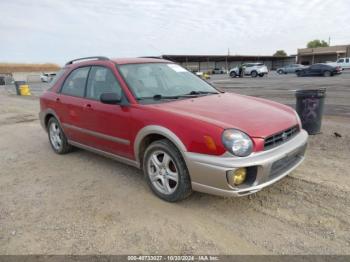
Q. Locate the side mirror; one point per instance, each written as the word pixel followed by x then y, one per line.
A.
pixel 110 98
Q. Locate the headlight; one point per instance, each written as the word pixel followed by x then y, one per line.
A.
pixel 237 142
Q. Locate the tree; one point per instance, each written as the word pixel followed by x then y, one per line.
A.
pixel 280 53
pixel 317 43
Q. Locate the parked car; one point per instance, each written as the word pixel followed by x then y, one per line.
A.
pixel 292 68
pixel 250 69
pixel 319 70
pixel 182 132
pixel 47 77
pixel 344 63
pixel 217 71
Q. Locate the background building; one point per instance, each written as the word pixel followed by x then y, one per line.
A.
pixel 196 63
pixel 309 56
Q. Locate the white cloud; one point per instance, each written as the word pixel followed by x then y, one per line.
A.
pixel 56 31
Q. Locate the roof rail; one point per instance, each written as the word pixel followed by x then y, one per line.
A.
pixel 88 58
pixel 155 57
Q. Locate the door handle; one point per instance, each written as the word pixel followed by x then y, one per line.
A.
pixel 58 99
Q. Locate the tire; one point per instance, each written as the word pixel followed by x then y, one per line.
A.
pixel 299 73
pixel 57 138
pixel 261 75
pixel 280 72
pixel 233 74
pixel 254 74
pixel 327 73
pixel 166 171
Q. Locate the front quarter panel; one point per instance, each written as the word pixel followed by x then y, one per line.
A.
pixel 187 134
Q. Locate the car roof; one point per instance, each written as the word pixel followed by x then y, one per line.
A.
pixel 139 60
pixel 119 61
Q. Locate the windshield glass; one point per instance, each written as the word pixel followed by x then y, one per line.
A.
pixel 162 80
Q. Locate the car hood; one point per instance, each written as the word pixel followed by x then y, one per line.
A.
pixel 255 116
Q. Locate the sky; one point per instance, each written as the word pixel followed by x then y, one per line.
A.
pixel 59 30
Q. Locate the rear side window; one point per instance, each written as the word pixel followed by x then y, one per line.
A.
pixel 347 60
pixel 75 83
pixel 101 80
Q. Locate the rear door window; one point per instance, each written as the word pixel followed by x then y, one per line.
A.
pixel 347 60
pixel 101 80
pixel 75 83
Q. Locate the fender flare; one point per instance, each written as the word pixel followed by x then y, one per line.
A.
pixel 43 114
pixel 159 130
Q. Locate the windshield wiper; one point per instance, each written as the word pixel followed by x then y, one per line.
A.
pixel 158 97
pixel 194 92
pixel 189 95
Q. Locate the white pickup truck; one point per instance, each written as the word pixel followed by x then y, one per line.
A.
pixel 344 63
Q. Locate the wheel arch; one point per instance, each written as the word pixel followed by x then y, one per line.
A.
pixel 45 117
pixel 151 133
pixel 254 71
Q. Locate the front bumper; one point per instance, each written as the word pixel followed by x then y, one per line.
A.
pixel 208 173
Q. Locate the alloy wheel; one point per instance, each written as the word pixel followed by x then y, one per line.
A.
pixel 55 136
pixel 163 172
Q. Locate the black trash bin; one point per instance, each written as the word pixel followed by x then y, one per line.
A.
pixel 310 109
pixel 17 85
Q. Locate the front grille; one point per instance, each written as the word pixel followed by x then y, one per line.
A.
pixel 280 138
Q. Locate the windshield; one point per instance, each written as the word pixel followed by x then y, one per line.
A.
pixel 156 81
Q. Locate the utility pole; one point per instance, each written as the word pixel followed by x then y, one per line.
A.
pixel 228 54
pixel 329 41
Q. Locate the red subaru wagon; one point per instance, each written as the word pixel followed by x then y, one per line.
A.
pixel 182 132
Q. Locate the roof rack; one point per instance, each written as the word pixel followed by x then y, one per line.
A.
pixel 88 58
pixel 155 57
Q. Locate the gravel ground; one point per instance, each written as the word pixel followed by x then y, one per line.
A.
pixel 82 203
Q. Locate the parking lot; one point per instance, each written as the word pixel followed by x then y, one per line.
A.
pixel 82 203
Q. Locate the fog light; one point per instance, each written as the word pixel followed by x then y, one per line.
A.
pixel 237 177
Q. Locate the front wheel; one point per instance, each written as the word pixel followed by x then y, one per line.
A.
pixel 233 74
pixel 166 171
pixel 280 72
pixel 254 74
pixel 261 75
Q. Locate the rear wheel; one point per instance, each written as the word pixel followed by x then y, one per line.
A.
pixel 254 74
pixel 233 74
pixel 57 138
pixel 261 75
pixel 166 171
pixel 327 73
pixel 299 73
pixel 280 72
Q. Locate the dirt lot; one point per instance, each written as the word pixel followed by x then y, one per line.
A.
pixel 82 203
